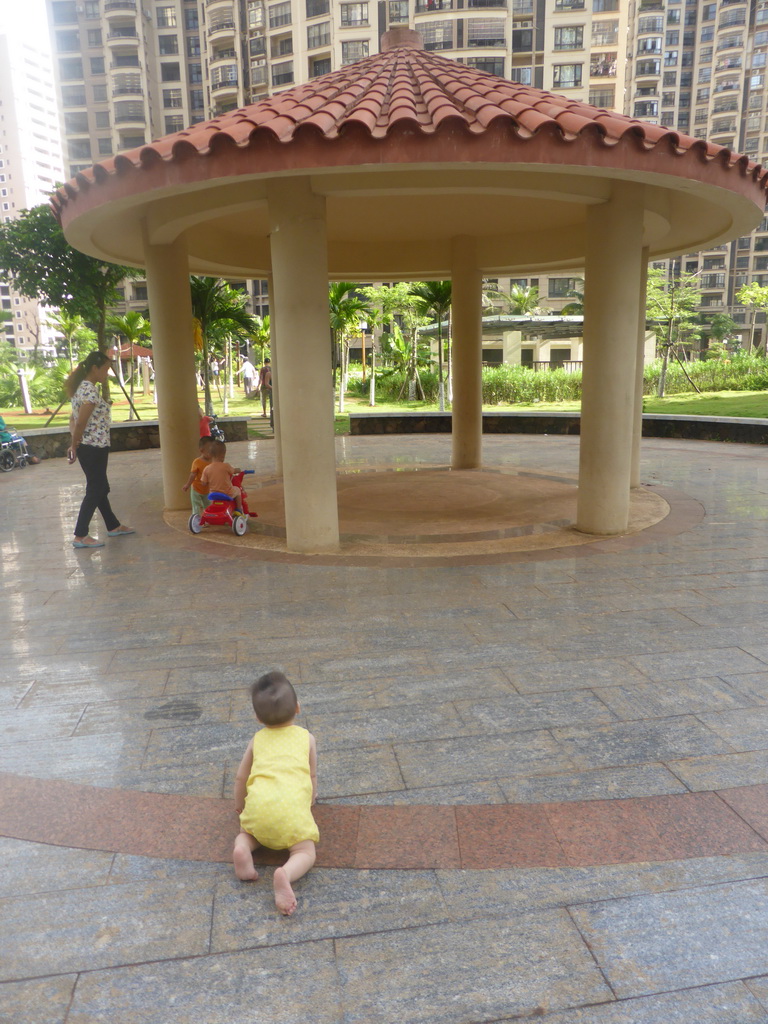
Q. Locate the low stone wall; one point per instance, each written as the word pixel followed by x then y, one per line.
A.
pixel 135 435
pixel 699 428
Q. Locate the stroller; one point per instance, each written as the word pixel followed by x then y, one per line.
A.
pixel 13 452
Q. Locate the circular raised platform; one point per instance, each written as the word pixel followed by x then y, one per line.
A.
pixel 396 516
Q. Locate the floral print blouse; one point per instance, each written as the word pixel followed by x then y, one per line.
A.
pixel 96 431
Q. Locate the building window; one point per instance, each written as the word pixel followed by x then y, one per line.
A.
pixel 649 26
pixel 76 124
pixel 647 108
pixel 354 14
pixel 97 65
pixel 64 13
pixel 522 40
pixel 172 98
pixel 282 74
pixel 168 45
pixel 649 46
pixel 79 149
pixel 490 65
pixel 91 9
pixel 257 46
pixel 438 35
pixel 560 287
pixel 282 47
pixel 605 5
pixel 196 100
pixel 670 58
pixel 193 46
pixel 73 95
pixel 101 119
pixel 94 37
pixel 105 147
pixel 170 72
pixel 67 42
pixel 569 37
pixel 316 8
pixel 321 66
pixel 398 11
pixel 355 49
pixel 648 67
pixel 195 73
pixel 605 33
pixel 166 17
pixel 318 35
pixel 567 76
pixel 569 5
pixel 486 32
pixel 602 97
pixel 70 68
pixel 191 19
pixel 279 14
pixel 603 65
pixel 521 75
pixel 173 123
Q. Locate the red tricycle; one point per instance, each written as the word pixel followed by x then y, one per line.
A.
pixel 221 511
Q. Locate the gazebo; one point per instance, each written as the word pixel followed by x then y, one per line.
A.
pixel 407 165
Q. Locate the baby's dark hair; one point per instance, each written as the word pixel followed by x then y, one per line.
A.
pixel 205 439
pixel 218 447
pixel 274 699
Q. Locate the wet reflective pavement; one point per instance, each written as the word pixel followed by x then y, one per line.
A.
pixel 543 780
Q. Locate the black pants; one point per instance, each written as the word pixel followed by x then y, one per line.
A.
pixel 93 462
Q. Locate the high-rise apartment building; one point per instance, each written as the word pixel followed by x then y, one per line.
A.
pixel 128 71
pixel 30 168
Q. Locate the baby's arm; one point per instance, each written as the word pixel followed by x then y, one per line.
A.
pixel 241 779
pixel 188 484
pixel 313 766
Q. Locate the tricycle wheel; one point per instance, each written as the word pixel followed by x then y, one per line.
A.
pixel 195 522
pixel 240 525
pixel 7 461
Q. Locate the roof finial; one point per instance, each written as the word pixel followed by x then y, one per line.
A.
pixel 401 36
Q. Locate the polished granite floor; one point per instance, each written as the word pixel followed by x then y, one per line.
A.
pixel 543 782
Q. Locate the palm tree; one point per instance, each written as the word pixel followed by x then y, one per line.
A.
pixel 260 335
pixel 435 300
pixel 346 311
pixel 575 308
pixel 218 309
pixel 133 326
pixel 74 330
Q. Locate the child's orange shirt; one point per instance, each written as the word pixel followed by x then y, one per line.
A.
pixel 217 476
pixel 197 468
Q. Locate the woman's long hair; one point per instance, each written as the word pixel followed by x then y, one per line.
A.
pixel 81 371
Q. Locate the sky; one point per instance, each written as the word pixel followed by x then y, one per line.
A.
pixel 25 19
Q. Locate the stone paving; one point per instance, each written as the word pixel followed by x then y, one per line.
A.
pixel 616 698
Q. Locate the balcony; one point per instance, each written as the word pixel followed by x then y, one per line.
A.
pixel 428 6
pixel 487 3
pixel 125 37
pixel 219 55
pixel 224 86
pixel 113 7
pixel 220 29
pixel 603 69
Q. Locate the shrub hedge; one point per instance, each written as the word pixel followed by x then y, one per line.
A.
pixel 504 385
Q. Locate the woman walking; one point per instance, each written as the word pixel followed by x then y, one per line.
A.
pixel 90 422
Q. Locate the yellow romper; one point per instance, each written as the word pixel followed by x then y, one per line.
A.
pixel 278 796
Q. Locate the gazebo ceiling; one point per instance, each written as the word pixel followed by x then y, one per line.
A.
pixel 410 149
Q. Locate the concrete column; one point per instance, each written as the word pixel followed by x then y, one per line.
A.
pixel 275 383
pixel 637 430
pixel 467 358
pixel 611 306
pixel 300 277
pixel 173 356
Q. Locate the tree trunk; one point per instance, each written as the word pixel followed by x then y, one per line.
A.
pixel 372 385
pixel 207 379
pixel 440 387
pixel 663 374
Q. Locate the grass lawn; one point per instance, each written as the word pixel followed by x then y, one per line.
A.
pixel 752 404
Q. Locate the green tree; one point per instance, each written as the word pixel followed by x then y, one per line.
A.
pixel 134 327
pixel 753 295
pixel 37 260
pixel 220 312
pixel 260 336
pixel 74 331
pixel 434 301
pixel 671 305
pixel 346 310
pixel 399 307
pixel 575 308
pixel 520 300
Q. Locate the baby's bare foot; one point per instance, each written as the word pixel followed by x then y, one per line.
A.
pixel 242 858
pixel 285 900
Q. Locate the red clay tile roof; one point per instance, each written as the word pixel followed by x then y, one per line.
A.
pixel 406 91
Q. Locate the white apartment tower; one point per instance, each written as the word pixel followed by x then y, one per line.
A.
pixel 129 71
pixel 30 169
